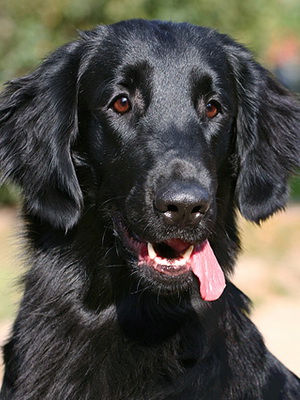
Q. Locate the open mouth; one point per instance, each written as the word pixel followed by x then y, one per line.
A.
pixel 170 257
pixel 175 257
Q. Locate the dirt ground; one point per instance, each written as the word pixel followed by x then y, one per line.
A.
pixel 268 271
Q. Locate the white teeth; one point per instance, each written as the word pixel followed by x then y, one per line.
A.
pixel 151 251
pixel 153 255
pixel 187 254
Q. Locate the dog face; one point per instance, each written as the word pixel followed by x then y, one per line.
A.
pixel 168 122
pixel 164 129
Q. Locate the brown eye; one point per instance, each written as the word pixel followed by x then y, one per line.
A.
pixel 121 105
pixel 212 109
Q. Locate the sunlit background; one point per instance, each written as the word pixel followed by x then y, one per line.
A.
pixel 269 269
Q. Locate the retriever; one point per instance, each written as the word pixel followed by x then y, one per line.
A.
pixel 135 146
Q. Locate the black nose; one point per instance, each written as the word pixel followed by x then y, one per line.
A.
pixel 182 204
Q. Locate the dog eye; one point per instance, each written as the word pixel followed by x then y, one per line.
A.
pixel 212 109
pixel 121 105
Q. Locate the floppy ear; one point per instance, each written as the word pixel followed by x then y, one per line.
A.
pixel 268 138
pixel 38 123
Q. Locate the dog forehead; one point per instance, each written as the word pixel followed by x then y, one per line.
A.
pixel 180 41
pixel 153 51
pixel 161 43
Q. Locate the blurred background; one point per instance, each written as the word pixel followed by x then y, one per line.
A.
pixel 269 268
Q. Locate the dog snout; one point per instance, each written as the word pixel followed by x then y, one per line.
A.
pixel 182 204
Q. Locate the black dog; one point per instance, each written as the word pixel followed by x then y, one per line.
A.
pixel 134 147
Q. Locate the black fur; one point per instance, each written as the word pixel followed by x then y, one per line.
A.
pixel 92 323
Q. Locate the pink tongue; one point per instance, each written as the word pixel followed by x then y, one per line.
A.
pixel 206 267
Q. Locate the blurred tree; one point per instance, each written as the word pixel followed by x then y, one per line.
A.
pixel 29 29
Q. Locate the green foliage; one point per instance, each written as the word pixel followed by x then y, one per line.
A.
pixel 9 195
pixel 30 29
pixel 295 188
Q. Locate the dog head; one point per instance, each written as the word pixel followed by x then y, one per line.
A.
pixel 167 128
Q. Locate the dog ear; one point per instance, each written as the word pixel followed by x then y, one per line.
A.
pixel 38 124
pixel 268 138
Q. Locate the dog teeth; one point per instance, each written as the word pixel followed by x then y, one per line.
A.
pixel 151 251
pixel 153 255
pixel 187 254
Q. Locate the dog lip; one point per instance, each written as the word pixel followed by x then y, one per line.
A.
pixel 165 266
pixel 130 239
